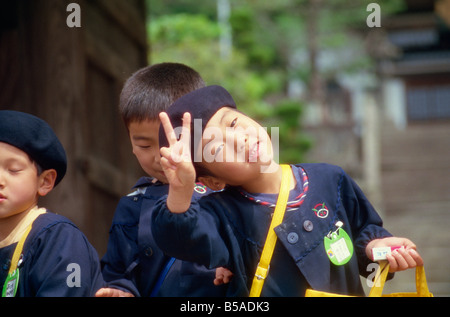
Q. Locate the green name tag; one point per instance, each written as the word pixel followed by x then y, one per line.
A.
pixel 11 283
pixel 338 246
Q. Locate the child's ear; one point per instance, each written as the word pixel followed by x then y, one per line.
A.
pixel 46 181
pixel 212 182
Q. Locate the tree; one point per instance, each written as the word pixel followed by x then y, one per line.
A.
pixel 274 45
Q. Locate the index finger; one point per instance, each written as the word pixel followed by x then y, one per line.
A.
pixel 168 129
pixel 186 129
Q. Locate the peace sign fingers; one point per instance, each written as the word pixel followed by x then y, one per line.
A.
pixel 168 129
pixel 179 148
pixel 185 138
pixel 176 158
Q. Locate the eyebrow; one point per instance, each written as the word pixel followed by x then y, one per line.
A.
pixel 142 138
pixel 18 160
pixel 223 116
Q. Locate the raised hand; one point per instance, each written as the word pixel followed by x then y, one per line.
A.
pixel 177 164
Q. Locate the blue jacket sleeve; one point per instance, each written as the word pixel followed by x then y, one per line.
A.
pixel 366 224
pixel 61 263
pixel 122 251
pixel 195 235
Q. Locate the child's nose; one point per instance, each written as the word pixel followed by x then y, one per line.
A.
pixel 241 141
pixel 157 159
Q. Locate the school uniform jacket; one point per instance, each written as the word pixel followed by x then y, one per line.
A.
pixel 58 261
pixel 227 229
pixel 134 262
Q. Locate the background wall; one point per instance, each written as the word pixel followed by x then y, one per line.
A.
pixel 72 77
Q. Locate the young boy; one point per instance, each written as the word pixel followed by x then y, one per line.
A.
pixel 41 253
pixel 229 228
pixel 133 264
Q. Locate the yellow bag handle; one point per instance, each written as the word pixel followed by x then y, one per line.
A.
pixel 264 264
pixel 380 279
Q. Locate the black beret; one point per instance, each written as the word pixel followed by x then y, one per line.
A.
pixel 36 138
pixel 202 104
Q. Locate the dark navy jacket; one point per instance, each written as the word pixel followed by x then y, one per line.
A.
pixel 134 263
pixel 56 256
pixel 227 229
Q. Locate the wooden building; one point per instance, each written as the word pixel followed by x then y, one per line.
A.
pixel 396 141
pixel 72 77
pixel 415 135
pixel 416 90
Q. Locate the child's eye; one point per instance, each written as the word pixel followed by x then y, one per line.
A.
pixel 14 170
pixel 233 123
pixel 143 146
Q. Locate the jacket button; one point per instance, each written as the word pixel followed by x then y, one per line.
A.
pixel 148 252
pixel 292 237
pixel 308 225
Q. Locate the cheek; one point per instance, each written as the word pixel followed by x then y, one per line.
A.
pixel 139 153
pixel 148 159
pixel 139 156
pixel 136 151
pixel 143 160
pixel 23 189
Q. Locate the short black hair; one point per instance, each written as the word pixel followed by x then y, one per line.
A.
pixel 154 88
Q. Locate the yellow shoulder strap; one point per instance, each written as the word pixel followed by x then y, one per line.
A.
pixel 263 266
pixel 18 251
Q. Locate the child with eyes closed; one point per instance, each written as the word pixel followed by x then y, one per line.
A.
pixel 229 228
pixel 42 254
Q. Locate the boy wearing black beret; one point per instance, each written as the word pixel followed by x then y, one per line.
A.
pixel 324 238
pixel 41 253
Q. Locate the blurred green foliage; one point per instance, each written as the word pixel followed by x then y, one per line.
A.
pixel 269 50
pixel 193 39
